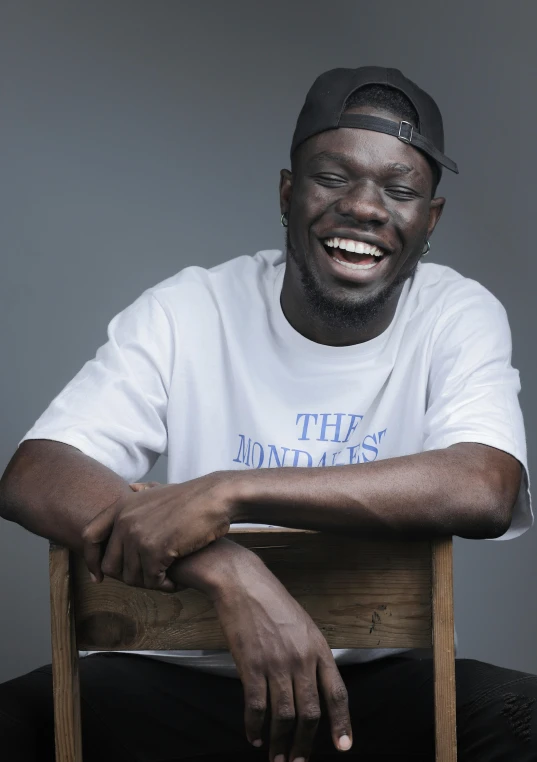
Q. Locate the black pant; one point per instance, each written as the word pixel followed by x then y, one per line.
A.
pixel 137 709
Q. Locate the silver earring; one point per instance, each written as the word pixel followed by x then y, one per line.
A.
pixel 283 220
pixel 427 249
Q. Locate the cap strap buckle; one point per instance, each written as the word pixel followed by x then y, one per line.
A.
pixel 409 130
pixel 402 130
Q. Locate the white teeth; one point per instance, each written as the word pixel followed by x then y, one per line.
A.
pixel 352 266
pixel 358 247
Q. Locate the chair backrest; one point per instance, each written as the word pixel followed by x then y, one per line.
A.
pixel 360 593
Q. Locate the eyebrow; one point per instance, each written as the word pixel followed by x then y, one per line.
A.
pixel 394 167
pixel 401 169
pixel 339 157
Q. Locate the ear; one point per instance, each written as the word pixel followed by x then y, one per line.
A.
pixel 286 189
pixel 435 212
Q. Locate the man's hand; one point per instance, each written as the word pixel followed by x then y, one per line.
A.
pixel 282 658
pixel 137 538
pixel 280 653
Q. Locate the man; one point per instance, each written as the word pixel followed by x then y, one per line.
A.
pixel 345 387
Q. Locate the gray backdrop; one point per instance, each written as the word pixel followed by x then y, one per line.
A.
pixel 141 137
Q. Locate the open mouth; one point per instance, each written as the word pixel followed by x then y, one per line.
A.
pixel 354 255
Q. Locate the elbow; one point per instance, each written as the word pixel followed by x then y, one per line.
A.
pixel 11 486
pixel 486 483
pixel 8 503
pixel 486 521
pixel 494 505
pixel 495 522
pixel 6 507
pixel 504 488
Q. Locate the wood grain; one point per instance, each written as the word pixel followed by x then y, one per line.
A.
pixel 360 594
pixel 67 729
pixel 444 652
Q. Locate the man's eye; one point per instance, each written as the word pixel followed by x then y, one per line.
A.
pixel 327 179
pixel 402 193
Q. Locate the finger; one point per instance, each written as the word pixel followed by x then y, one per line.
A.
pixel 308 714
pixel 132 568
pixel 255 708
pixel 337 703
pixel 112 563
pixel 94 535
pixel 141 486
pixel 154 574
pixel 282 724
pixel 138 486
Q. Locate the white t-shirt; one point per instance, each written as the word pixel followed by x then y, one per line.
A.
pixel 205 369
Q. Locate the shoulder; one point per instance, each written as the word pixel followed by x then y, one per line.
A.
pixel 196 287
pixel 445 295
pixel 460 313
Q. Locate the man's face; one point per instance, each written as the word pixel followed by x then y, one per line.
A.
pixel 349 187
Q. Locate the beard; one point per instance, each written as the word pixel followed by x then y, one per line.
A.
pixel 342 311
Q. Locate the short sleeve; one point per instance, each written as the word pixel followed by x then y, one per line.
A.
pixel 473 390
pixel 115 408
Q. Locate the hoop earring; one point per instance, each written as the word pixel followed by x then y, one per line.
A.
pixel 427 249
pixel 284 221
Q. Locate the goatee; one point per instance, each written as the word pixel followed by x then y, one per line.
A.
pixel 342 312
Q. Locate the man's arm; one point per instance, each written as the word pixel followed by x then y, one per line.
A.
pixel 467 490
pixel 54 490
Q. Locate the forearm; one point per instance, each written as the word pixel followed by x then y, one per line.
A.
pixel 214 568
pixel 465 490
pixel 54 490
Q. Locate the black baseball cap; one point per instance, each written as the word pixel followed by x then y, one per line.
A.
pixel 325 101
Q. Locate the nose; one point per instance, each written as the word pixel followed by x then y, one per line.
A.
pixel 364 203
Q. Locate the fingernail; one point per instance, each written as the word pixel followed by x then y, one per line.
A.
pixel 258 742
pixel 279 758
pixel 299 759
pixel 93 577
pixel 345 743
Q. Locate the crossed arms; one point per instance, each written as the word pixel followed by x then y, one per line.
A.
pixel 175 535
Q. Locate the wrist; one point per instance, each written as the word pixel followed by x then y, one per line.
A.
pixel 215 569
pixel 230 571
pixel 238 495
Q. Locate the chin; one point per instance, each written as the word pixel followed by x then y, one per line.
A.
pixel 350 304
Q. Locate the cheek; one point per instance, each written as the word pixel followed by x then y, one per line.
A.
pixel 309 202
pixel 411 221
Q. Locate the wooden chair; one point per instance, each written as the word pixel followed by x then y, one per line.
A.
pixel 361 594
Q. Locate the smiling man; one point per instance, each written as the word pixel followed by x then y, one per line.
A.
pixel 344 387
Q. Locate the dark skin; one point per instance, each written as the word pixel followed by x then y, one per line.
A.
pixel 174 535
pixel 355 182
pixel 283 660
